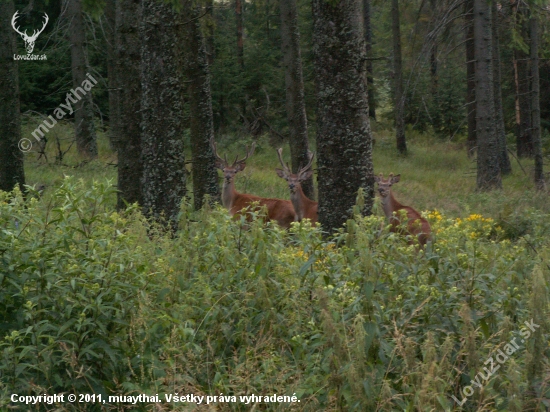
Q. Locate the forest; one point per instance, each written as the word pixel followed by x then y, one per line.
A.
pixel 267 205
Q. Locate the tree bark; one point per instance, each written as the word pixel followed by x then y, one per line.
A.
pixel 163 184
pixel 128 16
pixel 294 85
pixel 86 140
pixel 11 158
pixel 504 159
pixel 470 77
pixel 114 104
pixel 368 47
pixel 524 138
pixel 535 101
pixel 210 49
pixel 398 80
pixel 205 175
pixel 488 168
pixel 240 43
pixel 344 139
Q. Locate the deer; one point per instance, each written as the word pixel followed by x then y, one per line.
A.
pixel 416 224
pixel 29 40
pixel 304 207
pixel 278 210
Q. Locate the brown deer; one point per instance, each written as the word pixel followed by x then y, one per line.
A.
pixel 416 224
pixel 278 210
pixel 304 207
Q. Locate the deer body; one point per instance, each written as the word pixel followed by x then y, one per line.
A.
pixel 416 224
pixel 304 207
pixel 278 210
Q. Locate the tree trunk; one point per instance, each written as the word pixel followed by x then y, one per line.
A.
pixel 240 44
pixel 504 159
pixel 535 101
pixel 470 77
pixel 368 47
pixel 128 15
pixel 398 80
pixel 488 168
pixel 434 77
pixel 344 139
pixel 294 84
pixel 11 158
pixel 164 175
pixel 86 143
pixel 210 49
pixel 114 104
pixel 524 138
pixel 205 174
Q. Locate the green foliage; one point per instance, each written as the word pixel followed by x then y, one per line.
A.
pixel 98 301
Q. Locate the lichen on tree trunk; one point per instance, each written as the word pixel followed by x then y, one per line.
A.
pixel 344 140
pixel 205 175
pixel 11 158
pixel 162 152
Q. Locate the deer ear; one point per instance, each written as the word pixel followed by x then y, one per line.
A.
pixel 219 164
pixel 281 173
pixel 240 167
pixel 305 175
pixel 395 179
pixel 377 179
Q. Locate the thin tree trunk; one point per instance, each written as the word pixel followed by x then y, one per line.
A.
pixel 164 175
pixel 368 48
pixel 114 104
pixel 470 77
pixel 240 43
pixel 522 75
pixel 294 84
pixel 504 159
pixel 488 168
pixel 344 139
pixel 128 16
pixel 398 80
pixel 434 77
pixel 205 175
pixel 210 49
pixel 86 141
pixel 535 102
pixel 11 158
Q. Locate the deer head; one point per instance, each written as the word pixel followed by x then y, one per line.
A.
pixel 384 185
pixel 229 171
pixel 294 180
pixel 29 40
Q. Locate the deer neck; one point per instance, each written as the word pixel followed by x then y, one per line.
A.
pixel 299 201
pixel 228 193
pixel 390 205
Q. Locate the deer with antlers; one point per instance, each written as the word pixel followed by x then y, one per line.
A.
pixel 278 210
pixel 305 208
pixel 416 224
pixel 29 40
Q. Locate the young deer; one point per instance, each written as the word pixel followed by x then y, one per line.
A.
pixel 416 224
pixel 304 207
pixel 277 209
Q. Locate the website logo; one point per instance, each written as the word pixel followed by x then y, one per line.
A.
pixel 29 40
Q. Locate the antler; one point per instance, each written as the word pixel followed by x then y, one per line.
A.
pixel 37 32
pixel 280 154
pixel 248 154
pixel 215 150
pixel 13 22
pixel 311 155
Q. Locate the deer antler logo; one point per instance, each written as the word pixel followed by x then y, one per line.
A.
pixel 29 40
